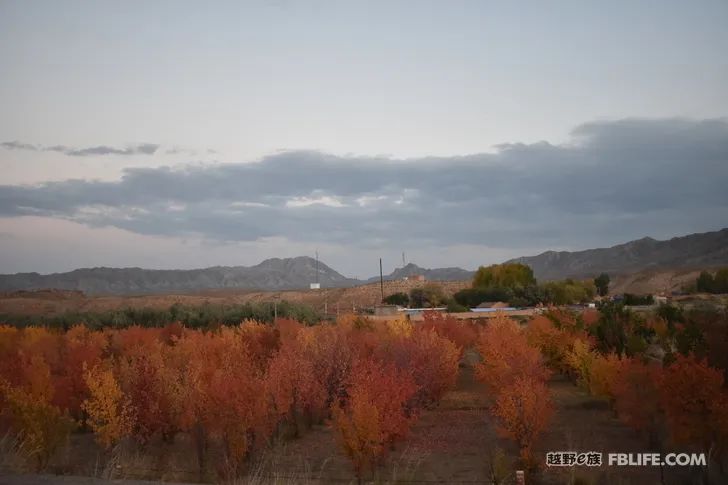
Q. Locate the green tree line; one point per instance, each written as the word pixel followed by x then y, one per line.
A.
pixel 202 316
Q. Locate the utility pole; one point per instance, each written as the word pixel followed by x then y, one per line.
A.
pixel 381 279
pixel 317 268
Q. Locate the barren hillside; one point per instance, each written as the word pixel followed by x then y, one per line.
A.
pixel 345 299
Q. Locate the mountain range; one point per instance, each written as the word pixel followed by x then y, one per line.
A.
pixel 271 274
pixel 695 251
pixel 437 274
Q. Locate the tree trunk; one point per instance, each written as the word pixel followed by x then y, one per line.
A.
pixel 200 439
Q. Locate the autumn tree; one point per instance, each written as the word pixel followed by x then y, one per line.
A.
pixel 462 333
pixel 235 404
pixel 229 386
pixel 288 330
pixel 374 414
pixel 293 388
pixel 81 348
pixel 605 369
pixel 196 356
pixel 9 362
pixel 144 379
pixel 581 359
pixel 432 361
pixel 330 349
pixel 524 409
pixel 636 390
pixel 109 410
pixel 506 354
pixel 690 390
pixel 515 372
pixel 262 341
pixel 41 425
pixel 553 342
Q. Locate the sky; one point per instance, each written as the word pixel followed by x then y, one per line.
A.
pixel 190 134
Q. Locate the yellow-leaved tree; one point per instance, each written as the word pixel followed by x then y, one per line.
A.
pixel 109 411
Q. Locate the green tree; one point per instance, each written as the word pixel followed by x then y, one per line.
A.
pixel 672 314
pixel 720 281
pixel 631 299
pixel 705 282
pixel 507 275
pixel 430 295
pixel 691 340
pixel 401 299
pixel 454 307
pixel 472 297
pixel 611 329
pixel 567 292
pixel 602 284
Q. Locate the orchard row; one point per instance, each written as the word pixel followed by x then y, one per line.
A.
pixel 239 387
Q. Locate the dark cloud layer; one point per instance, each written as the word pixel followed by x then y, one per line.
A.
pixel 614 180
pixel 137 149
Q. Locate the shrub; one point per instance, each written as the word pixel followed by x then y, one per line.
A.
pixel 400 299
pixel 630 299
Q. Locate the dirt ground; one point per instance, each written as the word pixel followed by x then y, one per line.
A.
pixel 329 300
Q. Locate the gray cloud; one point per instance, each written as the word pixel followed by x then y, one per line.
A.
pixel 175 150
pixel 136 149
pixel 616 180
pixel 16 145
pixel 180 151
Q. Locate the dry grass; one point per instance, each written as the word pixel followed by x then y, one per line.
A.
pixel 15 454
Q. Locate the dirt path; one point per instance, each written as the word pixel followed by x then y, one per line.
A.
pixel 66 480
pixel 583 423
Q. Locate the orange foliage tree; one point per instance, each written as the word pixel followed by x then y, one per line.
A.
pixel 636 392
pixel 80 348
pixel 555 340
pixel 690 390
pixel 292 385
pixel 524 411
pixel 374 415
pixel 144 380
pixel 41 425
pixel 605 370
pixel 235 404
pixel 462 333
pixel 506 353
pixel 231 386
pixel 431 359
pixel 516 374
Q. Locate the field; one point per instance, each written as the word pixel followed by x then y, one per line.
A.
pixel 438 400
pixel 343 300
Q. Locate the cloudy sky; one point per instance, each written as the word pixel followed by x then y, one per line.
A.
pixel 186 134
